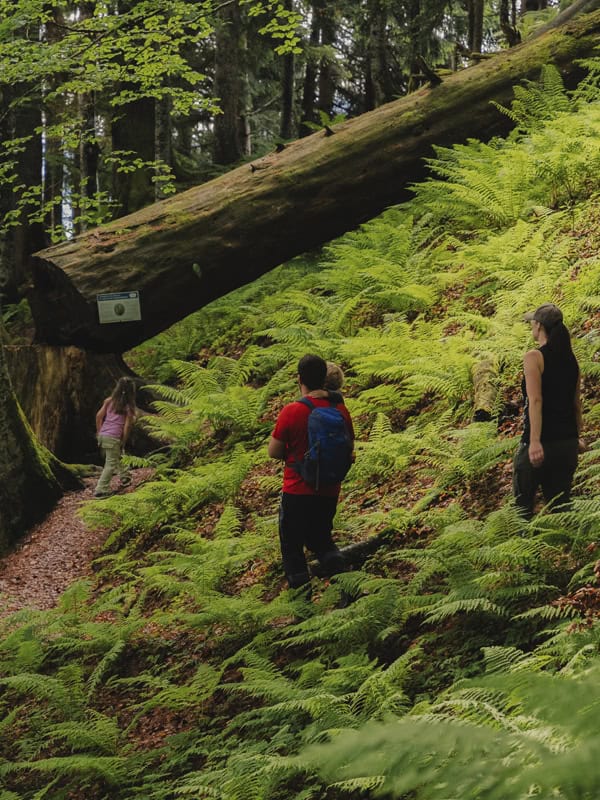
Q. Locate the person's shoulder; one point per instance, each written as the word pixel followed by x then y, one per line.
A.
pixel 292 409
pixel 534 356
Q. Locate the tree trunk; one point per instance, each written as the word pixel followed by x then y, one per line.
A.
pixel 377 89
pixel 229 145
pixel 286 127
pixel 475 25
pixel 507 24
pixel 184 252
pixel 309 94
pixel 134 130
pixel 415 79
pixel 31 479
pixel 327 81
pixel 19 242
pixel 163 140
pixel 89 152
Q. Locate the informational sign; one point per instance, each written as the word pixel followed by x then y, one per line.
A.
pixel 118 307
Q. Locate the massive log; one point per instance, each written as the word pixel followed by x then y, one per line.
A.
pixel 31 479
pixel 183 252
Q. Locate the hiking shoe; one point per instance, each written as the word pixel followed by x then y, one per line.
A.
pixel 124 482
pixel 100 495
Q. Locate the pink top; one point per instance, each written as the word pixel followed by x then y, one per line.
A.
pixel 113 423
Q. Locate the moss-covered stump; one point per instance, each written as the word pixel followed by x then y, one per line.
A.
pixel 31 478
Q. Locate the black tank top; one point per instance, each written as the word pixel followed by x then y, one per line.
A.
pixel 559 380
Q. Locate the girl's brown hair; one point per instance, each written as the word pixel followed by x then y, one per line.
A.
pixel 123 396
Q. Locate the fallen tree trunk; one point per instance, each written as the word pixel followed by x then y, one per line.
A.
pixel 184 252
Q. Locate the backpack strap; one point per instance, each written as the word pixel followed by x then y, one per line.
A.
pixel 306 401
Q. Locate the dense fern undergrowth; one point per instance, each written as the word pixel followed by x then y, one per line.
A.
pixel 467 664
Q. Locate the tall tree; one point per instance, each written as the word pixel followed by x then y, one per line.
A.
pixel 378 88
pixel 309 91
pixel 286 127
pixel 475 35
pixel 328 22
pixel 231 133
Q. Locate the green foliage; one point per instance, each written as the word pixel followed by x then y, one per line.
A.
pixel 461 659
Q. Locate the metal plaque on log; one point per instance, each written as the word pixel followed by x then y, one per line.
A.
pixel 118 307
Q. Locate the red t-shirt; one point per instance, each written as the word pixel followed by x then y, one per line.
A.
pixel 291 428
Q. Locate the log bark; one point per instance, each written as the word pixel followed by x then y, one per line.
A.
pixel 184 252
pixel 60 389
pixel 31 479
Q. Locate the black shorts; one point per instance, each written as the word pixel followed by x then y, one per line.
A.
pixel 555 475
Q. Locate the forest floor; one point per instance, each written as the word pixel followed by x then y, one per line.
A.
pixel 54 553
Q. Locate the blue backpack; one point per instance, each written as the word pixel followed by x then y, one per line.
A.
pixel 330 446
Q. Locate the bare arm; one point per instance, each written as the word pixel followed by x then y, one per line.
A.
pixel 101 414
pixel 533 365
pixel 276 448
pixel 129 419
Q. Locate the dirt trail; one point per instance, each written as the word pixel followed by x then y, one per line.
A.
pixel 53 554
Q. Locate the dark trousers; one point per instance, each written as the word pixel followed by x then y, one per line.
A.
pixel 307 521
pixel 555 476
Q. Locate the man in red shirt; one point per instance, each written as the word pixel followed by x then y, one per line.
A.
pixel 306 514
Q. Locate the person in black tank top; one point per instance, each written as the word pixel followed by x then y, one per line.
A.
pixel 547 454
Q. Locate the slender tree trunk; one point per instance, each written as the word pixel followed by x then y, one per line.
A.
pixel 163 139
pixel 507 24
pixel 134 130
pixel 54 150
pixel 28 236
pixel 377 84
pixel 309 94
pixel 245 99
pixel 475 25
pixel 286 128
pixel 413 12
pixel 229 146
pixel 327 83
pixel 89 155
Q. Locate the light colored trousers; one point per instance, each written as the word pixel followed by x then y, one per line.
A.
pixel 111 447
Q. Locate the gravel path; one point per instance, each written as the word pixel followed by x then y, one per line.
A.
pixel 53 554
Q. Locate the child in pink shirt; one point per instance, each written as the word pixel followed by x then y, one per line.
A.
pixel 114 421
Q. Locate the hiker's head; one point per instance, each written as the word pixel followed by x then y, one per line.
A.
pixel 312 371
pixel 334 379
pixel 548 318
pixel 123 396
